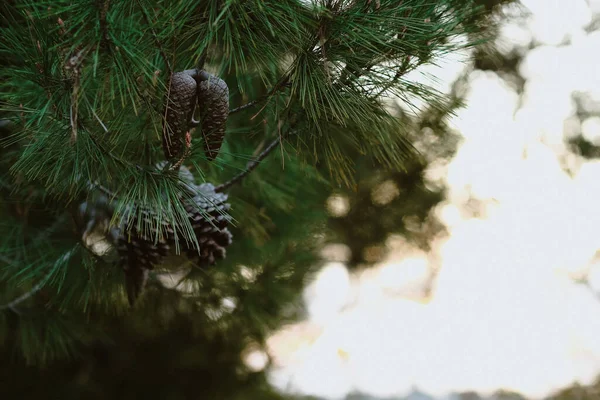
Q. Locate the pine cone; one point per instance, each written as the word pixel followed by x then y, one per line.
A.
pixel 136 253
pixel 179 110
pixel 139 251
pixel 209 219
pixel 213 100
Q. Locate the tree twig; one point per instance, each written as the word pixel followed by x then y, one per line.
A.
pixel 399 73
pixel 74 65
pixel 283 82
pixel 103 189
pixel 103 23
pixel 251 166
pixel 280 85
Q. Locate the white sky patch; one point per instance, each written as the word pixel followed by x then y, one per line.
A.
pixel 505 313
pixel 555 20
pixel 327 295
pixel 514 35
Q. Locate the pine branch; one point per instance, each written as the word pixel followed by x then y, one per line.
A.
pixel 250 166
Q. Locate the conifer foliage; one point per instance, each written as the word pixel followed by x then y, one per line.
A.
pixel 195 139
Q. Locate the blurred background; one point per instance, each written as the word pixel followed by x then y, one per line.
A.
pixel 491 287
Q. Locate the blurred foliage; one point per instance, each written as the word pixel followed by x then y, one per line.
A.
pixel 579 392
pixel 585 108
pixel 386 202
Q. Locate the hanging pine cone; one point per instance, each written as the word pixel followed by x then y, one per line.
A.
pixel 209 219
pixel 179 109
pixel 213 100
pixel 139 253
pixel 135 253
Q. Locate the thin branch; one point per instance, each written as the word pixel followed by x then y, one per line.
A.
pixel 283 82
pixel 280 85
pixel 103 22
pixel 251 166
pixel 103 189
pixel 249 104
pixel 73 114
pixel 74 65
pixel 399 73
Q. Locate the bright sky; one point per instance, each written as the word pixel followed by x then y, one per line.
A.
pixel 505 312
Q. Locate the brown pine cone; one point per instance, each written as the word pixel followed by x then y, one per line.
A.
pixel 179 109
pixel 138 257
pixel 139 252
pixel 213 101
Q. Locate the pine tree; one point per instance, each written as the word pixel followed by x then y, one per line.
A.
pixel 165 164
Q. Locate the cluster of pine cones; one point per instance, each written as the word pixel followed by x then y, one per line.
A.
pixel 139 252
